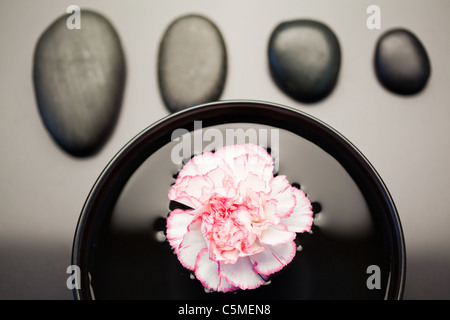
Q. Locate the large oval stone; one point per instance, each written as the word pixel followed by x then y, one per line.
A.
pixel 79 77
pixel 401 62
pixel 304 59
pixel 192 63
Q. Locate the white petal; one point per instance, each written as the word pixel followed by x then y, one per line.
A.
pixel 301 218
pixel 256 155
pixel 252 182
pixel 261 165
pixel 254 164
pixel 207 271
pixel 274 258
pixel 239 166
pixel 193 242
pixel 254 248
pixel 187 200
pixel 192 191
pixel 274 235
pixel 177 226
pixel 201 164
pixel 217 177
pixel 241 274
pixel 283 193
pixel 270 213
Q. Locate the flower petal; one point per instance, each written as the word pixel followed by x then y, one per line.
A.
pixel 177 226
pixel 255 164
pixel 202 164
pixel 275 235
pixel 252 182
pixel 255 154
pixel 274 258
pixel 283 193
pixel 192 191
pixel 239 167
pixel 254 248
pixel 261 166
pixel 217 177
pixel 207 271
pixel 241 274
pixel 228 153
pixel 193 242
pixel 301 218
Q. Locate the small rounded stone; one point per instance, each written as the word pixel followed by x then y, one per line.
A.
pixel 304 59
pixel 401 62
pixel 79 78
pixel 192 63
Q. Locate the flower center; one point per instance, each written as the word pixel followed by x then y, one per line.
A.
pixel 226 229
pixel 228 225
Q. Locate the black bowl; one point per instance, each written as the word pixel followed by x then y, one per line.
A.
pixel 356 248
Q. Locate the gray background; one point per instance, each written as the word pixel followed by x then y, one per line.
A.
pixel 42 189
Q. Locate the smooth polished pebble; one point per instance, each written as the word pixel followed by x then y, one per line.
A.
pixel 401 62
pixel 304 59
pixel 192 63
pixel 79 77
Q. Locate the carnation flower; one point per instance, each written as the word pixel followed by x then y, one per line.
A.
pixel 241 222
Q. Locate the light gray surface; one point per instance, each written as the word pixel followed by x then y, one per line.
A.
pixel 42 189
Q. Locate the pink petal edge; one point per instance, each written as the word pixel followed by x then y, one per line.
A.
pixel 241 274
pixel 301 219
pixel 201 165
pixel 177 225
pixel 229 153
pixel 186 192
pixel 276 235
pixel 207 272
pixel 274 258
pixel 191 245
pixel 283 193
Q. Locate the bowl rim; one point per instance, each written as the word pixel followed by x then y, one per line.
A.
pixel 117 171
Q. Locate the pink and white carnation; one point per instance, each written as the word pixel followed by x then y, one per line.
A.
pixel 242 220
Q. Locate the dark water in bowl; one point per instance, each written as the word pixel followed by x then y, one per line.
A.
pixel 132 260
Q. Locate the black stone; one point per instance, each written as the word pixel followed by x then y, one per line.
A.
pixel 316 207
pixel 304 59
pixel 296 185
pixel 192 63
pixel 160 224
pixel 79 77
pixel 401 62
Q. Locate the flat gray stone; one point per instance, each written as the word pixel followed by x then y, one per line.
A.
pixel 79 77
pixel 401 62
pixel 192 63
pixel 304 59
